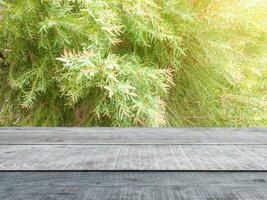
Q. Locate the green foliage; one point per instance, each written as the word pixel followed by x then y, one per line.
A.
pixel 114 62
pixel 104 85
pixel 123 91
pixel 33 33
pixel 223 79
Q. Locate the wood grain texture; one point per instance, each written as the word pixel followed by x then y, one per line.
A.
pixel 77 149
pixel 133 157
pixel 132 136
pixel 133 186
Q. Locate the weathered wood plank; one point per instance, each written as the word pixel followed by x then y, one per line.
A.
pixel 133 185
pixel 132 136
pixel 133 157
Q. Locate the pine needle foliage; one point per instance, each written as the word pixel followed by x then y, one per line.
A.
pixel 223 79
pixel 124 91
pixel 133 63
pixel 103 83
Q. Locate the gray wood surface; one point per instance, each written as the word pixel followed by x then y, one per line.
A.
pixel 61 149
pixel 133 157
pixel 133 186
pixel 132 136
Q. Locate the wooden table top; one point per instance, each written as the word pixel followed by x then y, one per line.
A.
pixel 133 163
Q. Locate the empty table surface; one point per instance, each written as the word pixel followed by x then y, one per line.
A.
pixel 132 149
pixel 132 136
pixel 133 185
pixel 133 157
pixel 133 163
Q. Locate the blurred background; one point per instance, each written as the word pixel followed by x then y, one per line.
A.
pixel 149 63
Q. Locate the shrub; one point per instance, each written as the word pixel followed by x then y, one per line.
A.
pixel 114 62
pixel 106 82
pixel 224 75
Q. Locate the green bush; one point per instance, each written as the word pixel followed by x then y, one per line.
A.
pixel 133 63
pixel 224 75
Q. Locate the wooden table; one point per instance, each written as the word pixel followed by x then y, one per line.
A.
pixel 133 163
